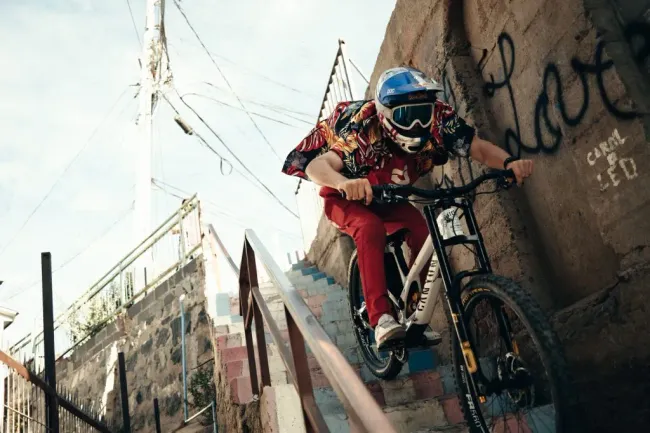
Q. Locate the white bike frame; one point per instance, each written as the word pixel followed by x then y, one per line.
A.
pixel 450 226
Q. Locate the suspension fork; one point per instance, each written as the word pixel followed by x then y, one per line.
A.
pixel 505 328
pixel 453 282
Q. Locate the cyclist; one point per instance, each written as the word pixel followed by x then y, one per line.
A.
pixel 397 137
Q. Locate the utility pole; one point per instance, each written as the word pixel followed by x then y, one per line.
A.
pixel 153 63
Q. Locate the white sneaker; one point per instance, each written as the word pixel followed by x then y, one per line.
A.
pixel 388 332
pixel 432 337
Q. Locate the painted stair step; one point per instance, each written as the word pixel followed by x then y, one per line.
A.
pixel 319 276
pixel 310 270
pixel 406 418
pixel 405 388
pixel 301 265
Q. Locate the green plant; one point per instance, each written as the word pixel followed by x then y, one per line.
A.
pixel 203 391
pixel 91 317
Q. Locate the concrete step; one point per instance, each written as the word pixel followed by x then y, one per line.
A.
pixel 195 427
pixel 421 399
pixel 426 415
pixel 301 265
pixel 451 429
pixel 418 398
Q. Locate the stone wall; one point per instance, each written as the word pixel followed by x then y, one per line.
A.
pixel 149 334
pixel 567 84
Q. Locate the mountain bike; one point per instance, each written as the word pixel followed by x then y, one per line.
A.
pixel 519 367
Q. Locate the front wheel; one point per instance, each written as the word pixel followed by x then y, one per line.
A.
pixel 520 380
pixel 384 365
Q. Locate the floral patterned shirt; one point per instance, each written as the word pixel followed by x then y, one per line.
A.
pixel 355 133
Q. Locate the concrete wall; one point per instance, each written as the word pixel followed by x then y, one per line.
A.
pixel 150 337
pixel 565 83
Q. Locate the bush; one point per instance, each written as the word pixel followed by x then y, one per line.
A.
pixel 203 391
pixel 91 317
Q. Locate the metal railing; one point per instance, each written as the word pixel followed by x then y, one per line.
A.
pixel 339 86
pixel 364 413
pixel 186 418
pixel 175 241
pixel 29 400
pixel 339 89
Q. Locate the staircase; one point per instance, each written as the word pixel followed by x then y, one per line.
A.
pixel 421 399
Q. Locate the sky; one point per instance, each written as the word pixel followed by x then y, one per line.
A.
pixel 67 114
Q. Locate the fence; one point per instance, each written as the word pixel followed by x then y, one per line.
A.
pixel 339 88
pixel 174 243
pixel 29 401
pixel 364 412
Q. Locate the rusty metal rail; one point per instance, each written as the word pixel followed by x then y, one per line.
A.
pixel 364 413
pixel 26 409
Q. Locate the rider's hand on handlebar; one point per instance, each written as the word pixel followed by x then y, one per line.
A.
pixel 522 168
pixel 356 189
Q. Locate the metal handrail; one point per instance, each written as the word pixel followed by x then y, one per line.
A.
pixel 364 412
pixel 48 390
pixel 133 255
pixel 215 243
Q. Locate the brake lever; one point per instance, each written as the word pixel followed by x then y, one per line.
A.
pixel 506 183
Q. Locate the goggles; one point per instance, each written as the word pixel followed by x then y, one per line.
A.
pixel 408 116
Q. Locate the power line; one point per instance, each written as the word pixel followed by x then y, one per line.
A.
pixel 255 73
pixel 222 159
pixel 218 212
pixel 180 9
pixel 225 104
pixel 76 255
pixel 58 179
pixel 135 27
pixel 262 104
pixel 230 151
pixel 199 136
pixel 244 226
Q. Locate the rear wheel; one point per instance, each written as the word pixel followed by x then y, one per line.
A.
pixel 384 365
pixel 522 382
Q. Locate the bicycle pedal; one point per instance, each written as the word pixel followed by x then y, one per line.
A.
pixel 391 345
pixel 423 342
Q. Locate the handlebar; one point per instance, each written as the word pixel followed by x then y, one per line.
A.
pixel 389 192
pixel 392 192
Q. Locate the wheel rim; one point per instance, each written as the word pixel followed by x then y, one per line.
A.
pixel 366 337
pixel 376 360
pixel 517 400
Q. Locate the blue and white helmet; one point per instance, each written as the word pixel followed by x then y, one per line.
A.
pixel 404 99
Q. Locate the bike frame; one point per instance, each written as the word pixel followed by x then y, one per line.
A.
pixel 445 233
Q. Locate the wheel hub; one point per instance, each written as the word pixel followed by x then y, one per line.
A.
pixel 516 379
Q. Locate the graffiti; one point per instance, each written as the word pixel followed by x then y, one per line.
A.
pixel 617 168
pixel 552 80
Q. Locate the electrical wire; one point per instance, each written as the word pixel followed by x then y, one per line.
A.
pixel 58 179
pixel 229 150
pixel 217 212
pixel 222 159
pixel 225 104
pixel 180 9
pixel 255 73
pixel 72 258
pixel 135 27
pixel 273 107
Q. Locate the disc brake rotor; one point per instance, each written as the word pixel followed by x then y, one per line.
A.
pixel 513 371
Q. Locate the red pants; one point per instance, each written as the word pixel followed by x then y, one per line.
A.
pixel 368 226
